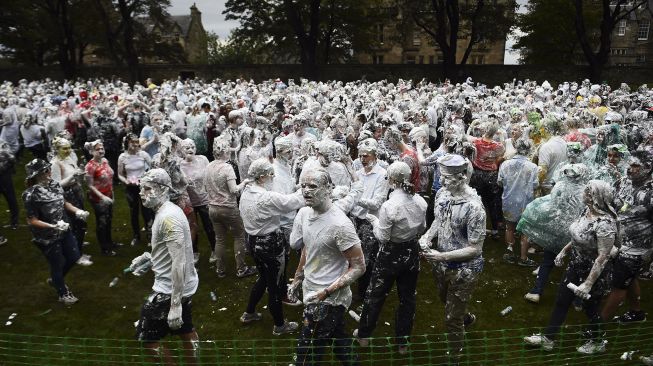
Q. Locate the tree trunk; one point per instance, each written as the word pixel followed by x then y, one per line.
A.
pixel 135 72
pixel 307 41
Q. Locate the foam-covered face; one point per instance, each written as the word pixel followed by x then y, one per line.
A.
pixel 284 154
pixel 315 189
pixel 134 145
pixel 152 194
pixel 64 151
pixel 637 171
pixel 453 183
pixel 188 149
pixel 600 137
pixel 516 132
pixel 298 128
pixel 367 159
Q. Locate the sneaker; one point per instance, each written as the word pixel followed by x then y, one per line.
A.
pixel 646 275
pixel 3 240
pixel 534 298
pixel 287 327
pixel 632 316
pixel 539 340
pixel 648 361
pixel 363 342
pixel 68 299
pixel 510 257
pixel 213 258
pixel 87 256
pixel 246 272
pixel 527 263
pixel 221 274
pixel 196 258
pixel 291 302
pixel 591 347
pixel 247 318
pixel 84 261
pixel 536 271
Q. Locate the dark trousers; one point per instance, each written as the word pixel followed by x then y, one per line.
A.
pixel 485 183
pixel 270 256
pixel 62 256
pixel 324 326
pixel 39 151
pixel 203 213
pixel 395 262
pixel 370 248
pixel 103 222
pixel 75 196
pixel 7 189
pixel 135 205
pixel 566 297
pixel 546 266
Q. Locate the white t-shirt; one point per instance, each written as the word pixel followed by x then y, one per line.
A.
pixel 170 230
pixel 324 237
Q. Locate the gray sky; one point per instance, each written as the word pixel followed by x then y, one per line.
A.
pixel 213 20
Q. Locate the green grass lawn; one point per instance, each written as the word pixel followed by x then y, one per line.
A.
pixel 105 312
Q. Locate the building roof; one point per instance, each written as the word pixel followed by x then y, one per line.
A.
pixel 183 21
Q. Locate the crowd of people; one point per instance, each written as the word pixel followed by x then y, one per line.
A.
pixel 360 180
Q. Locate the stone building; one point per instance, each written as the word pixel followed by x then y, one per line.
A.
pixel 400 41
pixel 184 32
pixel 631 40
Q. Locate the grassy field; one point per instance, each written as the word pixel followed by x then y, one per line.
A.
pixel 105 312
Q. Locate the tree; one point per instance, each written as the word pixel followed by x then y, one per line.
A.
pixel 612 12
pixel 311 32
pixel 228 52
pixel 543 44
pixel 447 21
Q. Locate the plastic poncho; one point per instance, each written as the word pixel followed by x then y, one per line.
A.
pixel 546 219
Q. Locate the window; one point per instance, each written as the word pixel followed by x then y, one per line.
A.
pixel 379 33
pixel 417 41
pixel 377 59
pixel 618 51
pixel 641 58
pixel 410 59
pixel 431 59
pixel 478 59
pixel 421 59
pixel 642 31
pixel 621 28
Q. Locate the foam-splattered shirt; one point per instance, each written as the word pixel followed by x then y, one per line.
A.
pixel 324 237
pixel 460 220
pixel 171 236
pixel 46 203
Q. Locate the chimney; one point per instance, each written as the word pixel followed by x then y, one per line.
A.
pixel 194 12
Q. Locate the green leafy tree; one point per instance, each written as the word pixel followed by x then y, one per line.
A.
pixel 229 52
pixel 311 32
pixel 448 21
pixel 550 45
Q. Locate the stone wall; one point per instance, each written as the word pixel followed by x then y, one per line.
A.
pixel 488 74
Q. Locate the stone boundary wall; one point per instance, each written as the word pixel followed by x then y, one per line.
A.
pixel 489 74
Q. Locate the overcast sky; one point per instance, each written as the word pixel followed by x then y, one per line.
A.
pixel 213 20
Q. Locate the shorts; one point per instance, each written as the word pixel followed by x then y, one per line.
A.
pixel 153 324
pixel 625 268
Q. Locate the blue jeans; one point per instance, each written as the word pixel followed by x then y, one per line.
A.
pixel 62 256
pixel 546 265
